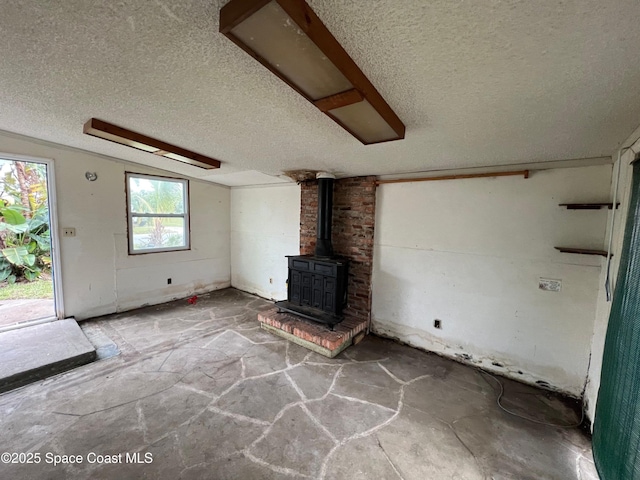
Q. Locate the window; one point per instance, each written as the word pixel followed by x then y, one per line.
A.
pixel 158 213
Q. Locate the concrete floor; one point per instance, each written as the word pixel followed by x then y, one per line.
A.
pixel 40 351
pixel 203 392
pixel 17 311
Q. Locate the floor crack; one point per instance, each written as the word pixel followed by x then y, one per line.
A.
pixel 395 469
pixel 452 428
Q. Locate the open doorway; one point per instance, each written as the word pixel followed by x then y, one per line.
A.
pixel 27 266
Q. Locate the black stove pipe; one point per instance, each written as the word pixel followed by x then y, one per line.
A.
pixel 324 248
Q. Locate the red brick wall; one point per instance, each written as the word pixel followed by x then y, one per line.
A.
pixel 354 210
pixel 308 216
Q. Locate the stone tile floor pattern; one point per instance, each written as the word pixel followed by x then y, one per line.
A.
pixel 207 394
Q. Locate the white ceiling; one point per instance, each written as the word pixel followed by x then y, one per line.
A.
pixel 477 83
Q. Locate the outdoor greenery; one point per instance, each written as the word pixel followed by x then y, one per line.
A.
pixel 153 196
pixel 149 227
pixel 25 244
pixel 41 288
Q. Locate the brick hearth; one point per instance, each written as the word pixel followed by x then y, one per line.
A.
pixel 315 336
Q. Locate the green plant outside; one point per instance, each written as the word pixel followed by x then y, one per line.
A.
pixel 155 196
pixel 41 288
pixel 167 222
pixel 25 243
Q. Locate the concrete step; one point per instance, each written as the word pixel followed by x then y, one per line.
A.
pixel 32 353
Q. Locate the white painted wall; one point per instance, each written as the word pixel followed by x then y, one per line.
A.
pixel 98 275
pixel 265 226
pixel 470 253
pixel 603 306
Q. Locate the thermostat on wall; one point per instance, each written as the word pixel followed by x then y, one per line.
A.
pixel 549 284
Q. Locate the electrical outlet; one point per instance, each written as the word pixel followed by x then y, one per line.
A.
pixel 168 281
pixel 437 323
pixel 68 232
pixel 549 284
pixel 271 280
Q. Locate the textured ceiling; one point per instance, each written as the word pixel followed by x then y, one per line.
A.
pixel 476 82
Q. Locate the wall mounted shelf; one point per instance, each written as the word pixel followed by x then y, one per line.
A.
pixel 588 206
pixel 582 251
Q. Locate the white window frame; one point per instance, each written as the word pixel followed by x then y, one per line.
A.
pixel 185 215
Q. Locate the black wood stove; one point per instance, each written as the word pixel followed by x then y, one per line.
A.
pixel 317 285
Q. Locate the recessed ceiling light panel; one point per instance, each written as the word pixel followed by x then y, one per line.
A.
pixel 288 38
pixel 113 133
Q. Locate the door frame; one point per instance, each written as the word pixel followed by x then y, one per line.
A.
pixel 56 276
